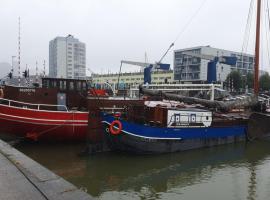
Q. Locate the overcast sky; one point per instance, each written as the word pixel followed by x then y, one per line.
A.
pixel 114 30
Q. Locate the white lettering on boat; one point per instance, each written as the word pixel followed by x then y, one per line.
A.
pixel 27 90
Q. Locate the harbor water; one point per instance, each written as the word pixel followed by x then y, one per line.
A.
pixel 234 171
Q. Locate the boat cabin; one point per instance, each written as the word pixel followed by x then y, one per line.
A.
pixel 71 93
pixel 169 115
pixel 65 85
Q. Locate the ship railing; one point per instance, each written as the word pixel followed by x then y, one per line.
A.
pixel 170 87
pixel 32 106
pixel 113 110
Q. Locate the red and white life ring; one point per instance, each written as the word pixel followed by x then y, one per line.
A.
pixel 113 130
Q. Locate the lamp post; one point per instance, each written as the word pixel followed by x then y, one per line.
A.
pixel 244 83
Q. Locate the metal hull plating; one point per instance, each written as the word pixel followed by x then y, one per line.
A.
pixel 147 140
pixel 43 125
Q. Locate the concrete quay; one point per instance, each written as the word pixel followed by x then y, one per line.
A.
pixel 21 178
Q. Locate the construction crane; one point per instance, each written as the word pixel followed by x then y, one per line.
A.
pixel 212 64
pixel 148 68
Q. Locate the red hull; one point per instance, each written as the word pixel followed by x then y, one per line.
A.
pixel 43 124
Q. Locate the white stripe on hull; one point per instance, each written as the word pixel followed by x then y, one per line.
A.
pixel 49 120
pixel 44 124
pixel 155 138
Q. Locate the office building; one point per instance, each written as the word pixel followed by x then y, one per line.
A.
pixel 67 58
pixel 132 79
pixel 194 69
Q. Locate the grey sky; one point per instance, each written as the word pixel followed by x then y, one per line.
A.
pixel 120 29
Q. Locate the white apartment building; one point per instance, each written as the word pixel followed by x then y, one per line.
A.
pixel 67 58
pixel 194 69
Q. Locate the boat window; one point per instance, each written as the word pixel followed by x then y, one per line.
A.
pixel 54 84
pixel 63 85
pixel 71 85
pixel 84 86
pixel 79 85
pixel 46 83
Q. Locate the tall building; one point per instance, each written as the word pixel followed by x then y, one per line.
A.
pixel 194 69
pixel 67 58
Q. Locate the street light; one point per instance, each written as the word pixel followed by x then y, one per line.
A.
pixel 244 83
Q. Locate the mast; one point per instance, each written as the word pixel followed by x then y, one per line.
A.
pixel 19 53
pixel 257 49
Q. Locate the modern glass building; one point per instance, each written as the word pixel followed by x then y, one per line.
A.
pixel 194 69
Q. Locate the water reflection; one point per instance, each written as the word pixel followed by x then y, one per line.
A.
pixel 237 171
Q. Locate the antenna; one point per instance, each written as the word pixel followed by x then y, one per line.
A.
pixel 19 53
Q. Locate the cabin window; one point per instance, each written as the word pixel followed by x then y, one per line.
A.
pixel 54 84
pixel 46 84
pixel 79 85
pixel 84 86
pixel 71 85
pixel 63 85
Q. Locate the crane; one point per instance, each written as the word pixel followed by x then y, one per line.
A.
pixel 148 68
pixel 212 64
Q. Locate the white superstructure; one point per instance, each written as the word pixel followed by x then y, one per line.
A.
pixel 67 58
pixel 189 118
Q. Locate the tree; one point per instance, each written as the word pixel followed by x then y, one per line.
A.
pixel 249 80
pixel 265 82
pixel 234 80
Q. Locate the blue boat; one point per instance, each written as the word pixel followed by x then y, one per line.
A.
pixel 173 130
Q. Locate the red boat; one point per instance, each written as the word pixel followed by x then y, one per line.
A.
pixel 42 121
pixel 59 110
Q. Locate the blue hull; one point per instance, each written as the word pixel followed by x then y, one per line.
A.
pixel 139 138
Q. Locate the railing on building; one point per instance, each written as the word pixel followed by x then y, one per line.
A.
pixel 179 87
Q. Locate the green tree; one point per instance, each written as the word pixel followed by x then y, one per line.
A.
pixel 265 82
pixel 234 80
pixel 249 80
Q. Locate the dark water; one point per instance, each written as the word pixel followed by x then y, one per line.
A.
pixel 237 171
